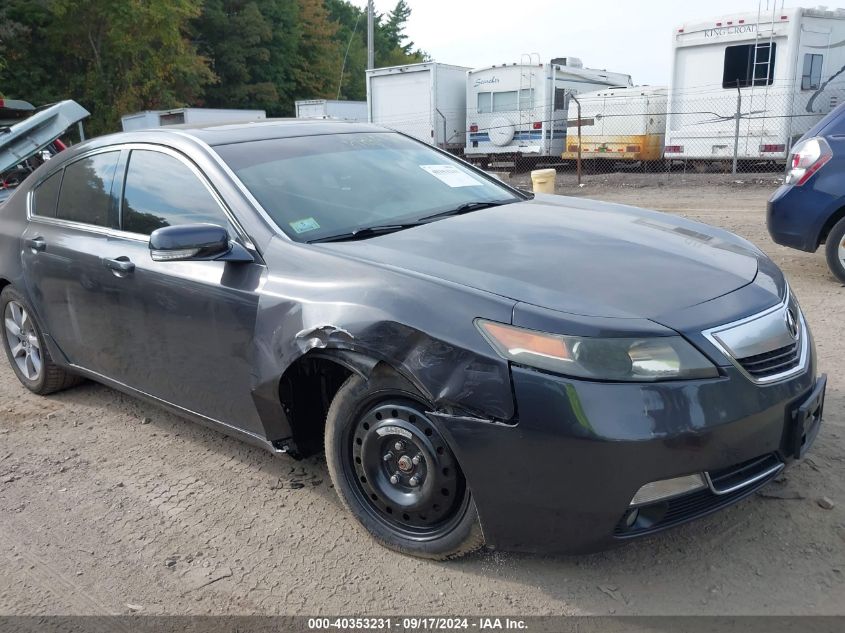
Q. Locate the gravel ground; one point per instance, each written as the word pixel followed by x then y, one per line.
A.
pixel 109 505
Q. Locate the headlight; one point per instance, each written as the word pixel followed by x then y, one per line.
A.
pixel 621 359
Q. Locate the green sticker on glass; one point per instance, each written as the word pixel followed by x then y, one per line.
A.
pixel 304 225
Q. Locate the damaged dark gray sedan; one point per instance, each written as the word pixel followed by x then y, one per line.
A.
pixel 480 365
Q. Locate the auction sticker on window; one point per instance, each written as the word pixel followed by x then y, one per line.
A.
pixel 452 176
pixel 304 225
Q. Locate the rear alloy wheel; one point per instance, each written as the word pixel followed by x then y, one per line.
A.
pixel 24 344
pixel 395 471
pixel 835 250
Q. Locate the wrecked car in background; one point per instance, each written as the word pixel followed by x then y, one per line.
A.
pixel 480 365
pixel 29 136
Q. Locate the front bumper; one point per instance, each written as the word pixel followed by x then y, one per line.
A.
pixel 561 478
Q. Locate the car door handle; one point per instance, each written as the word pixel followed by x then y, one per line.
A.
pixel 36 243
pixel 120 265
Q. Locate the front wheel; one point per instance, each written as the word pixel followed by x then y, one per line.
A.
pixel 396 473
pixel 835 250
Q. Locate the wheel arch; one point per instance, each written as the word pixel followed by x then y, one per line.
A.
pixel 828 225
pixel 310 383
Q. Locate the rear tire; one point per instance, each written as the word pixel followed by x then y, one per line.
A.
pixel 394 471
pixel 835 250
pixel 23 340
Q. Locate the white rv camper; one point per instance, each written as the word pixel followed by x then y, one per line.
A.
pixel 626 124
pixel 520 109
pixel 780 70
pixel 331 109
pixel 426 101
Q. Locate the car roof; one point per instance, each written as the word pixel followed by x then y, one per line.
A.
pixel 831 123
pixel 264 129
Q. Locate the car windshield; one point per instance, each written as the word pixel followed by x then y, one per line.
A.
pixel 319 187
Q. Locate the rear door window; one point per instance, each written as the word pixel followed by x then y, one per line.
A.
pixel 162 191
pixel 46 195
pixel 86 191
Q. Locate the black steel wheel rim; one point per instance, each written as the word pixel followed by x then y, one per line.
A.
pixel 404 472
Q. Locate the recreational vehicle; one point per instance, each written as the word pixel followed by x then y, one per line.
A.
pixel 520 110
pixel 619 124
pixel 329 109
pixel 426 101
pixel 751 84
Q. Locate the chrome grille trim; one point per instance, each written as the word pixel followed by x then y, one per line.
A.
pixel 768 341
pixel 761 468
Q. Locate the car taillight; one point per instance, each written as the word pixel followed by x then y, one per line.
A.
pixel 538 125
pixel 473 128
pixel 674 149
pixel 772 149
pixel 806 159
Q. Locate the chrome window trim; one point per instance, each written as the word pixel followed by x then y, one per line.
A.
pixel 102 230
pixel 239 185
pixel 30 195
pixel 803 342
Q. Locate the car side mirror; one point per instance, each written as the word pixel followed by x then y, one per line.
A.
pixel 195 242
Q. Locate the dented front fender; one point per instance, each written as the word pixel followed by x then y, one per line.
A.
pixel 319 301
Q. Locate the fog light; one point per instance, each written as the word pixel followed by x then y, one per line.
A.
pixel 632 517
pixel 666 488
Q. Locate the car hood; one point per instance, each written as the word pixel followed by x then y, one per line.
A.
pixel 573 255
pixel 21 140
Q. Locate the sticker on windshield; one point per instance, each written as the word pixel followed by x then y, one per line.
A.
pixel 452 176
pixel 304 225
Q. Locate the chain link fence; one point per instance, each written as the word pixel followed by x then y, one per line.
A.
pixel 646 129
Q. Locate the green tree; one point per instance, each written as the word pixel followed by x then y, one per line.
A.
pixel 28 68
pixel 318 58
pixel 250 44
pixel 391 45
pixel 112 57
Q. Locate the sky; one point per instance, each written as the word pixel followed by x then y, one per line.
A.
pixel 628 36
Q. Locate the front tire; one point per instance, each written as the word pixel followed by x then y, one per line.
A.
pixel 23 340
pixel 395 472
pixel 835 250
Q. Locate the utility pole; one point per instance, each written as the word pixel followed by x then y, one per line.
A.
pixel 371 51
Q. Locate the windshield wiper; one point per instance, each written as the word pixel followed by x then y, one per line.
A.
pixel 466 208
pixel 365 232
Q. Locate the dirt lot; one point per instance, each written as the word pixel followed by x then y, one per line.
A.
pixel 109 505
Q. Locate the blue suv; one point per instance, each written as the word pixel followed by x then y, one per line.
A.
pixel 809 208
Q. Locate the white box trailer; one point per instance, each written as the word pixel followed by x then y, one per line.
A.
pixel 158 118
pixel 426 101
pixel 331 109
pixel 626 124
pixel 521 109
pixel 781 70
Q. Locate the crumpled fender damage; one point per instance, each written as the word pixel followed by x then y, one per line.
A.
pixel 422 329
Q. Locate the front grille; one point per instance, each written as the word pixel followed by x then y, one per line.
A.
pixel 666 514
pixel 772 363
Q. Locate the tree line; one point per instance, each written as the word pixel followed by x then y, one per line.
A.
pixel 117 57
